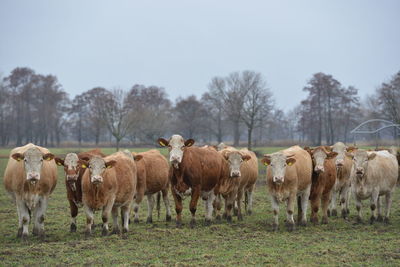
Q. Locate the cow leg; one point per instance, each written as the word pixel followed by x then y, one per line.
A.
pixel 358 207
pixel 209 207
pixel 348 197
pixel 167 205
pixel 40 210
pixel 138 199
pixel 374 203
pixel 325 203
pixel 388 205
pixel 275 208
pixel 315 202
pixel 249 208
pixel 239 204
pixel 74 212
pixel 24 218
pixel 343 197
pixel 217 207
pixel 379 208
pixel 150 206
pixel 106 215
pixel 304 204
pixel 178 208
pixel 289 211
pixel 332 209
pixel 193 205
pixel 125 210
pixel 89 220
pixel 116 230
pixel 229 203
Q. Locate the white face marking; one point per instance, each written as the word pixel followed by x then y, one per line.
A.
pixel 33 161
pixel 339 148
pixel 360 162
pixel 235 161
pixel 176 145
pixel 71 161
pixel 278 167
pixel 319 157
pixel 96 166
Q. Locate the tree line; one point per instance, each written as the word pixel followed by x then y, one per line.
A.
pixel 238 108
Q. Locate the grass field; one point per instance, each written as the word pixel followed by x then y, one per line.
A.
pixel 240 243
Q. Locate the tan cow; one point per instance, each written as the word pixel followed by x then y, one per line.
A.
pixel 373 174
pixel 107 184
pixel 30 177
pixel 153 171
pixel 342 185
pixel 289 177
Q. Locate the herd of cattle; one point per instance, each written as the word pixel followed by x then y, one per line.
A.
pixel 121 180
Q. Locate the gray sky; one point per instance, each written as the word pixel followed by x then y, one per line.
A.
pixel 181 45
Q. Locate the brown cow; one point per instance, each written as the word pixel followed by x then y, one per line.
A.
pixel 153 171
pixel 323 180
pixel 107 184
pixel 289 177
pixel 195 171
pixel 73 179
pixel 30 177
pixel 243 172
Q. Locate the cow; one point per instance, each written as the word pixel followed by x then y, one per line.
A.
pixel 73 179
pixel 30 177
pixel 152 178
pixel 323 181
pixel 394 151
pixel 243 168
pixel 289 177
pixel 373 174
pixel 108 183
pixel 194 171
pixel 342 185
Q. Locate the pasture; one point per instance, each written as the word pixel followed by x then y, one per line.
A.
pixel 240 243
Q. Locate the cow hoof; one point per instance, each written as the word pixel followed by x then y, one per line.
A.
pixel 35 232
pixel 359 220
pixel 379 218
pixel 24 237
pixel 72 228
pixel 207 222
pixel 329 213
pixel 88 234
pixel 168 218
pixel 372 219
pixel 344 214
pixel 104 232
pixel 218 218
pixel 240 217
pixel 178 224
pixel 324 220
pixel 192 223
pixel 249 212
pixel 290 227
pixel 124 231
pixel 334 213
pixel 136 220
pixel 304 223
pixel 19 233
pixel 235 212
pixel 229 219
pixel 149 220
pixel 114 232
pixel 275 227
pixel 386 220
pixel 224 216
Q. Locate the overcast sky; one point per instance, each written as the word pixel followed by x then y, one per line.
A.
pixel 181 45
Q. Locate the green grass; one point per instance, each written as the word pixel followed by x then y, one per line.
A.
pixel 240 243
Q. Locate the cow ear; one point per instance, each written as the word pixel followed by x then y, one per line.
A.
pixel 308 149
pixel 351 149
pixel 328 148
pixel 266 160
pixel 162 142
pixel 17 156
pixel 59 161
pixel 48 156
pixel 83 163
pixel 225 154
pixel 189 142
pixel 110 164
pixel 137 157
pixel 371 156
pixel 331 155
pixel 290 161
pixel 246 157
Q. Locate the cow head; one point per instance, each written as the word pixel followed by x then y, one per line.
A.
pixel 360 162
pixel 176 146
pixel 71 168
pixel 96 167
pixel 319 155
pixel 235 160
pixel 278 163
pixel 33 161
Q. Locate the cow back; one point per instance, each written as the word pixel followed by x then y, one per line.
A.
pixel 157 169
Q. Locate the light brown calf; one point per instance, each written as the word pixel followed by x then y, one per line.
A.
pixel 107 184
pixel 30 177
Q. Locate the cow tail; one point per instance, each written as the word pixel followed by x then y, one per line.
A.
pixel 158 203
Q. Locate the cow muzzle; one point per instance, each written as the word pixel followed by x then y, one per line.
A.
pixel 278 180
pixel 96 180
pixel 72 178
pixel 339 163
pixel 235 174
pixel 175 159
pixel 360 171
pixel 319 169
pixel 33 177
